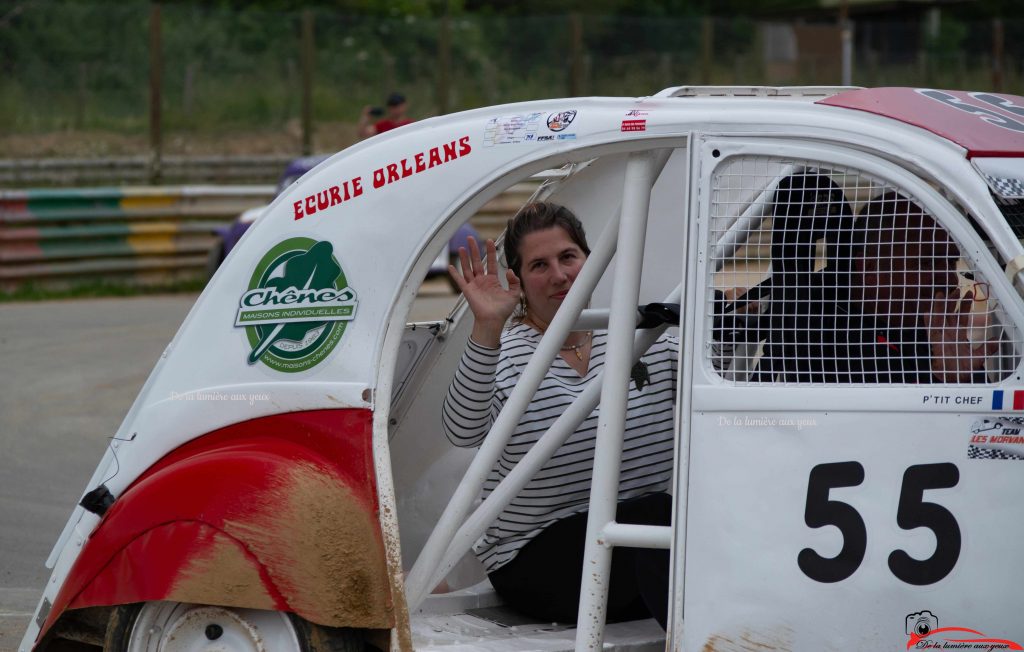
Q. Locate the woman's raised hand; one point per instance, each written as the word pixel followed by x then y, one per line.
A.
pixel 491 302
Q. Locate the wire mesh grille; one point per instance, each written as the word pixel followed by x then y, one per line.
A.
pixel 1013 211
pixel 826 275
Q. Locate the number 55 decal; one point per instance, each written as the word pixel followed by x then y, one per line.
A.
pixel 912 513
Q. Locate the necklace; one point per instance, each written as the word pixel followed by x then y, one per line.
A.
pixel 575 348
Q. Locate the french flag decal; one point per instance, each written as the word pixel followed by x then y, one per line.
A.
pixel 1018 399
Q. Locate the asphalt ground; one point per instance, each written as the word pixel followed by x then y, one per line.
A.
pixel 71 370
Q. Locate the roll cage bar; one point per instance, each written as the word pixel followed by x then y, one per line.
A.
pixel 457 528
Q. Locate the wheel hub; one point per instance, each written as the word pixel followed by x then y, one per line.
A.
pixel 176 627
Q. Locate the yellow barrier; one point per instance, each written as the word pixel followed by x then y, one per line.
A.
pixel 143 235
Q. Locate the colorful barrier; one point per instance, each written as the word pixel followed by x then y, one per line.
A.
pixel 142 235
pixel 54 238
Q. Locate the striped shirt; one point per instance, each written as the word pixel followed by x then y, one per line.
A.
pixel 484 381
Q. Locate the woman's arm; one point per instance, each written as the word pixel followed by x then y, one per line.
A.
pixel 466 413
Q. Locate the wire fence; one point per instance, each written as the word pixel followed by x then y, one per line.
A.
pixel 163 75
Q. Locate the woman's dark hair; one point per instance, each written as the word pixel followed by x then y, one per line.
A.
pixel 538 216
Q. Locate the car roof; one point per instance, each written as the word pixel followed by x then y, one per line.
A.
pixel 985 124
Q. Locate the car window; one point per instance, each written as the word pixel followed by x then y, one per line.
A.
pixel 825 275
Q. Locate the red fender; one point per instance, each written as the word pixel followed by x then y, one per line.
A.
pixel 275 513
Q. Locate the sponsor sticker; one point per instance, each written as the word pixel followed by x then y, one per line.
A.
pixel 559 121
pixel 998 438
pixel 634 125
pixel 297 305
pixel 511 129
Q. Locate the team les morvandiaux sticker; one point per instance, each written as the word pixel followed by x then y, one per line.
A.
pixel 297 305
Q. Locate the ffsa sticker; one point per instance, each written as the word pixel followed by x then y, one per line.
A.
pixel 526 128
pixel 296 307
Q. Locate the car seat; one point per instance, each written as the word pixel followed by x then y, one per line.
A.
pixel 811 223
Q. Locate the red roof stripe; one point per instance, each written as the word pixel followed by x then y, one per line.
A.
pixel 985 124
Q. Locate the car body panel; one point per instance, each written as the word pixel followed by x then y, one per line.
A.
pixel 204 525
pixel 985 124
pixel 370 218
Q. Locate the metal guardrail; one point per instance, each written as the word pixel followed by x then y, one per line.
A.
pixel 55 238
pixel 128 170
pixel 142 235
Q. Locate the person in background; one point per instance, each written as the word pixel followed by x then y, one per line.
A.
pixel 914 321
pixel 375 120
pixel 886 308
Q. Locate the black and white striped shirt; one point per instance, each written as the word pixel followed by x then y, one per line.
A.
pixel 483 383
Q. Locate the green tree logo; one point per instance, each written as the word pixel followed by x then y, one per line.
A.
pixel 297 305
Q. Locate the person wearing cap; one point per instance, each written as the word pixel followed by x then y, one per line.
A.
pixel 393 117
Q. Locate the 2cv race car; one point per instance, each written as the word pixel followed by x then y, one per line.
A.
pixel 842 268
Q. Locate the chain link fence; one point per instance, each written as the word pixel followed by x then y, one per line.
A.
pixel 166 80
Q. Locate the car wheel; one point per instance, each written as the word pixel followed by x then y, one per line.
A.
pixel 181 627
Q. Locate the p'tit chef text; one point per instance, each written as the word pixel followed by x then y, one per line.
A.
pixel 382 176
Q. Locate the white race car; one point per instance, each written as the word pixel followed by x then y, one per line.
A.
pixel 282 483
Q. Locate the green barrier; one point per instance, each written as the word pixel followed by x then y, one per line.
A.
pixel 58 237
pixel 142 235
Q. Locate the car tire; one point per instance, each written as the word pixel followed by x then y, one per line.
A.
pixel 135 627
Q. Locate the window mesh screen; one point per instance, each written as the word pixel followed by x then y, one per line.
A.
pixel 827 275
pixel 1013 211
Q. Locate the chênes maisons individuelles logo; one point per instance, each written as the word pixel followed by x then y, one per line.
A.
pixel 297 305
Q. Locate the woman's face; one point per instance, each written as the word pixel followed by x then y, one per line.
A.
pixel 551 261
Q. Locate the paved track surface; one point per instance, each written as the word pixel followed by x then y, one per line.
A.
pixel 71 370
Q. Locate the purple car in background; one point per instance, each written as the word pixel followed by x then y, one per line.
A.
pixel 228 236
